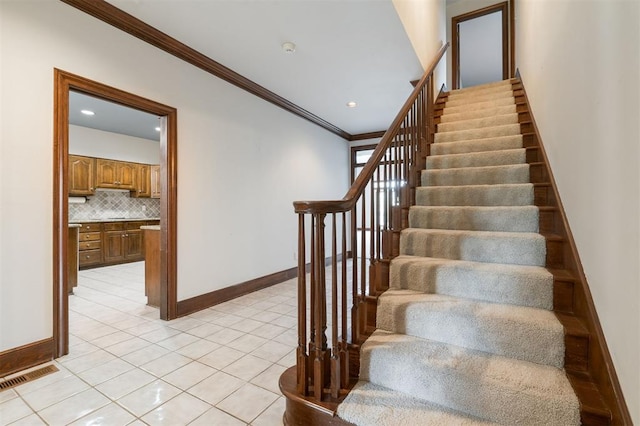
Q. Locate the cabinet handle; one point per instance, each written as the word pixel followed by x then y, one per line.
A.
pixel 122 235
pixel 87 257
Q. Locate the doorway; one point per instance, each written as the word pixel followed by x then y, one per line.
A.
pixel 64 83
pixel 483 45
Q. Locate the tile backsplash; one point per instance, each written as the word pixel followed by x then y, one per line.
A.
pixel 106 204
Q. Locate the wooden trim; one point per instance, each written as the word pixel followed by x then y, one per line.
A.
pixel 204 301
pixel 455 41
pixel 63 83
pixel 600 364
pixel 365 136
pixel 27 356
pixel 207 300
pixel 512 38
pixel 115 17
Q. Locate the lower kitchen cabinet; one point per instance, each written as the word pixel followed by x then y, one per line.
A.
pixel 110 243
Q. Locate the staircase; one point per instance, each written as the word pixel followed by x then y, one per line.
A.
pixel 466 333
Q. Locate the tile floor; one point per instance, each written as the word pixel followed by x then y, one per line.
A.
pixel 219 366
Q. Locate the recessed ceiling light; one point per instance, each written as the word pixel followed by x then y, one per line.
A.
pixel 158 129
pixel 87 112
pixel 289 47
pixel 352 104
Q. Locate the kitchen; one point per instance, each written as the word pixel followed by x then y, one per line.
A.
pixel 114 188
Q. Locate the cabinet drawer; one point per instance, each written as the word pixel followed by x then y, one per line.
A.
pixel 89 257
pixel 90 227
pixel 90 236
pixel 135 225
pixel 90 245
pixel 113 226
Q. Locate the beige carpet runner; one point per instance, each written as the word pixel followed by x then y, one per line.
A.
pixel 465 335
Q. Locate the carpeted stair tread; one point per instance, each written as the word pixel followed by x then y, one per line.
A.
pixel 483 133
pixel 477 123
pixel 478 106
pixel 477 97
pixel 496 85
pixel 516 248
pixel 495 388
pixel 491 282
pixel 477 159
pixel 483 113
pixel 478 145
pixel 524 333
pixel 485 175
pixel 372 405
pixel 476 218
pixel 520 194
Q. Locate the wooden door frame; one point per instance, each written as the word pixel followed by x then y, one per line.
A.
pixel 508 39
pixel 63 83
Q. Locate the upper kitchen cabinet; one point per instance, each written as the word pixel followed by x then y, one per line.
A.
pixel 143 189
pixel 116 174
pixel 81 175
pixel 155 181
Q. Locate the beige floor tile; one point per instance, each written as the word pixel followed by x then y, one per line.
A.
pixel 13 410
pixel 74 407
pixel 180 410
pixel 148 397
pixel 272 416
pixel 269 379
pixel 216 387
pixel 111 414
pixel 221 357
pixel 165 364
pixel 247 367
pixel 125 383
pixel 218 418
pixel 189 375
pixel 236 403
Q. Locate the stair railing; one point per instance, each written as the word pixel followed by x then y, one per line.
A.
pixel 362 226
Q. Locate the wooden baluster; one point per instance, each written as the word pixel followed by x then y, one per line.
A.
pixel 301 353
pixel 319 311
pixel 312 303
pixel 344 349
pixel 335 359
pixel 355 337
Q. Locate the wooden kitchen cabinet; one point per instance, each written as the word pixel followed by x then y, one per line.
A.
pixel 110 243
pixel 113 242
pixel 155 182
pixel 143 182
pixel 116 174
pixel 90 244
pixel 123 241
pixel 81 175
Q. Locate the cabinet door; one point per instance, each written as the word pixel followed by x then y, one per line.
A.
pixel 155 181
pixel 81 175
pixel 127 174
pixel 134 245
pixel 107 173
pixel 114 246
pixel 143 182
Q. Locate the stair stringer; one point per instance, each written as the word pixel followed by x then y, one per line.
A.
pixel 594 377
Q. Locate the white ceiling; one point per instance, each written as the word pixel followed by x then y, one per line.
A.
pixel 347 50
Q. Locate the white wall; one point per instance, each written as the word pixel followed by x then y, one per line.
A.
pixel 114 146
pixel 423 20
pixel 579 61
pixel 241 161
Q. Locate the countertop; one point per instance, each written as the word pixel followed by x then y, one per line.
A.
pixel 128 219
pixel 151 227
pixel 74 225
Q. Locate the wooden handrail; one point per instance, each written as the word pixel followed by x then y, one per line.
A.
pixel 364 225
pixel 357 188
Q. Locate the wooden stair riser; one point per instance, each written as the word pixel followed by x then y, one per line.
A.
pixel 563 295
